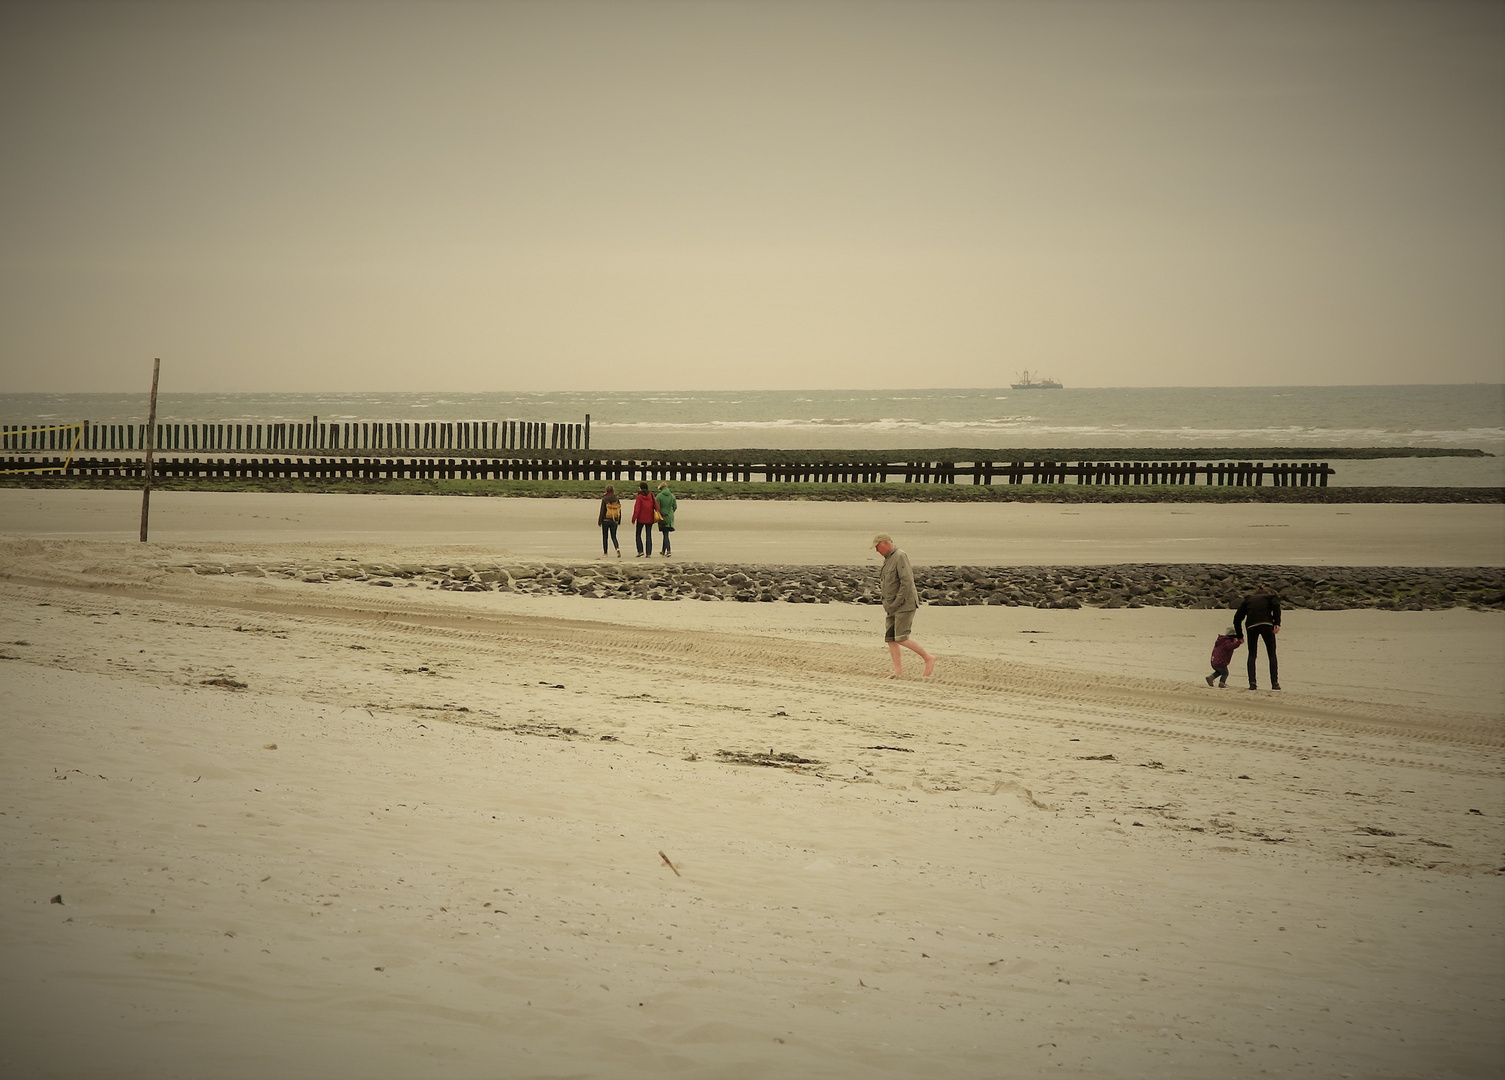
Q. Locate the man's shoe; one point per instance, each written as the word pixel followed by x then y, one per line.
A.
pixel 1274 686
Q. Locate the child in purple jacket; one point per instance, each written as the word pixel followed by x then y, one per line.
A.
pixel 1222 652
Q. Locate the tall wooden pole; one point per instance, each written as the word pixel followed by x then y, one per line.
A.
pixel 151 441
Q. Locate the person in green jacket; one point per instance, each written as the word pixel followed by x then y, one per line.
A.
pixel 666 505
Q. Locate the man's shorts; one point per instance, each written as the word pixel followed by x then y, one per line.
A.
pixel 897 626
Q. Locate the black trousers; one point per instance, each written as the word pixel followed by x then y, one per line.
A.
pixel 643 533
pixel 1268 633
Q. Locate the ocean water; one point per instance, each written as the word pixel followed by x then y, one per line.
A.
pixel 1469 416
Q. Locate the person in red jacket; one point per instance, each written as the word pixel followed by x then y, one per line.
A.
pixel 644 513
pixel 1223 648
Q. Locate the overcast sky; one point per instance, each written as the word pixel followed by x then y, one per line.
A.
pixel 324 196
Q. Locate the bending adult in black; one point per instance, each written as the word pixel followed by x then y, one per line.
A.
pixel 1261 611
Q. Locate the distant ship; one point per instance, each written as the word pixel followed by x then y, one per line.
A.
pixel 1042 383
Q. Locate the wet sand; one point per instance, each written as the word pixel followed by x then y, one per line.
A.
pixel 999 534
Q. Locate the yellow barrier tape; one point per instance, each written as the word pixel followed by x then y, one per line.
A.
pixel 78 434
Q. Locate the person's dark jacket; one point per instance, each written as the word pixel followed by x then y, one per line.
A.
pixel 1258 609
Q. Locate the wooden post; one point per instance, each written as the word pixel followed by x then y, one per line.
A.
pixel 151 420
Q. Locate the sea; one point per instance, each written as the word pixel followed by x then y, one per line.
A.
pixel 1468 416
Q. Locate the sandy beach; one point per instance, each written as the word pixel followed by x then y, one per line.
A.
pixel 256 827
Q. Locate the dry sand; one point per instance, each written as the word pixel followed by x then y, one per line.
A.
pixel 424 839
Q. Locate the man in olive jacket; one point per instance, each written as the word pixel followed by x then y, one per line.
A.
pixel 900 600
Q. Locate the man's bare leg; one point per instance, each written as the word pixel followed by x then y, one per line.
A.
pixel 915 647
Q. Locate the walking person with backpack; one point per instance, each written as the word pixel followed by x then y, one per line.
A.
pixel 609 517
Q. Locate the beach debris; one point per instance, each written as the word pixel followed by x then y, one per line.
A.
pixel 669 864
pixel 58 899
pixel 1097 757
pixel 1373 831
pixel 270 746
pixel 897 749
pixel 225 683
pixel 1479 812
pixel 770 759
pixel 1023 792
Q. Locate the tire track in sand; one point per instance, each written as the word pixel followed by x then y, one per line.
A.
pixel 999 691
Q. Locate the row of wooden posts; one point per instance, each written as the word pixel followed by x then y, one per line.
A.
pixel 603 467
pixel 386 435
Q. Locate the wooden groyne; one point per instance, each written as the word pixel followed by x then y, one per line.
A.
pixel 389 436
pixel 601 466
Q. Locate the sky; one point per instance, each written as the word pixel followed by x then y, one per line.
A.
pixel 337 196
